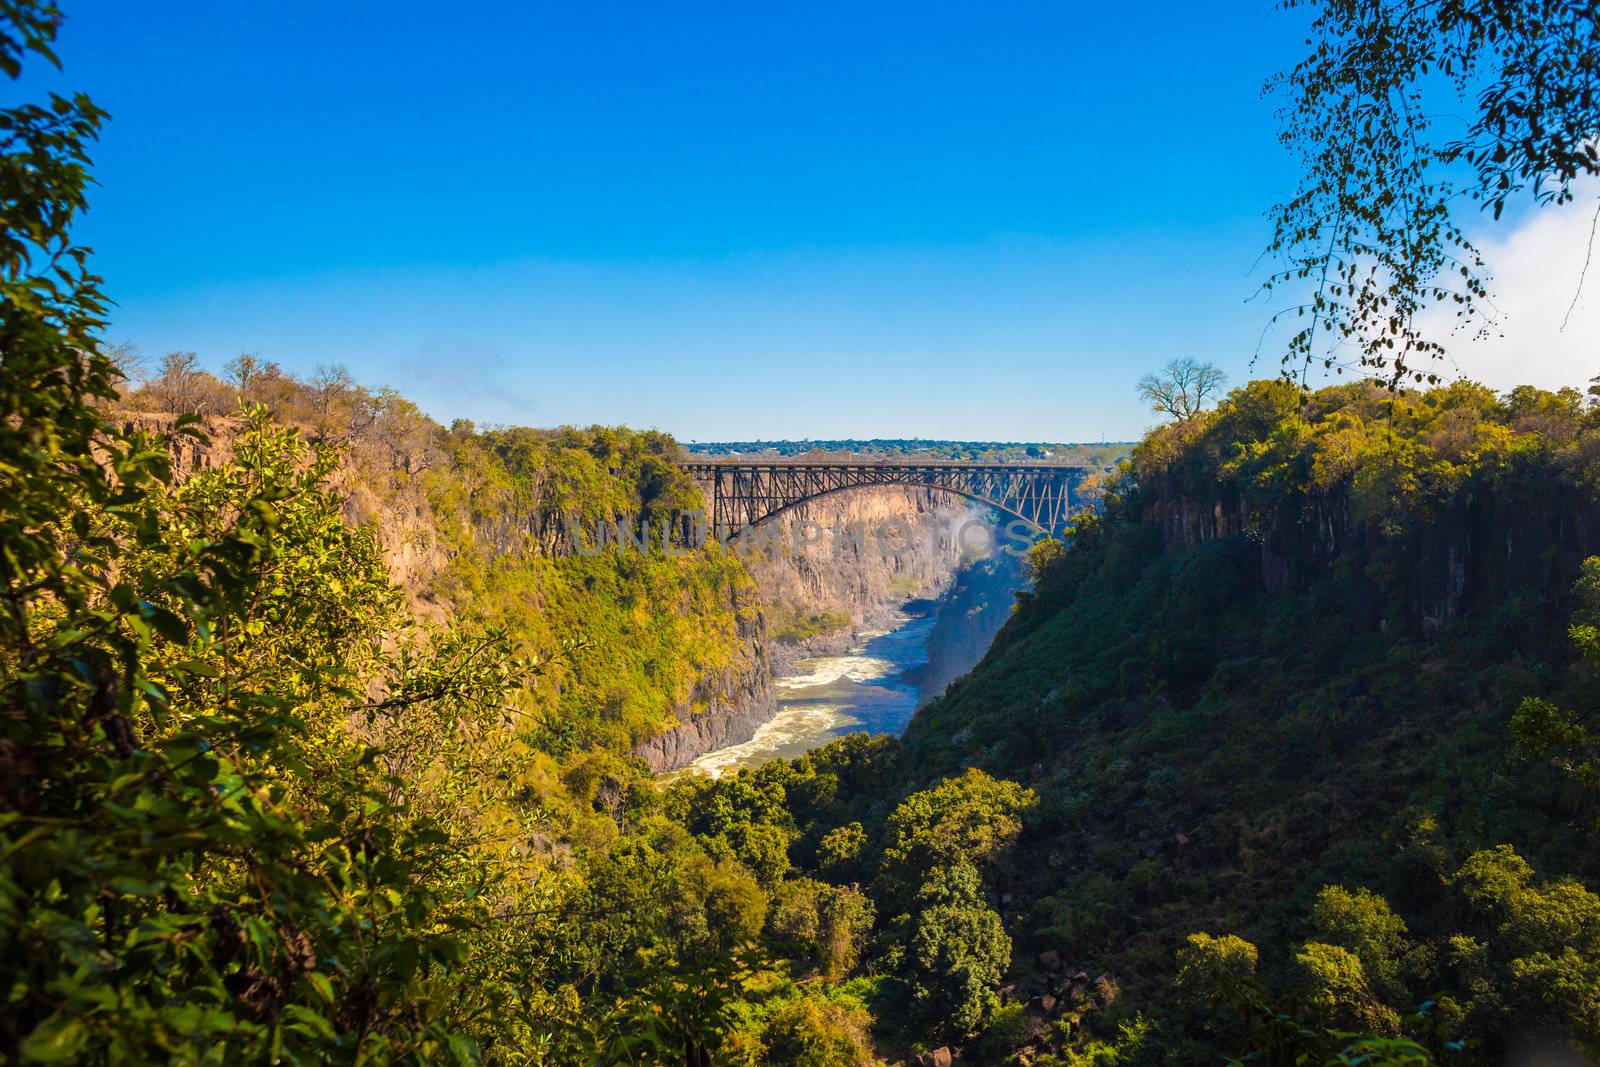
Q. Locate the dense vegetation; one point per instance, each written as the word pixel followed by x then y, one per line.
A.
pixel 256 809
pixel 1264 714
pixel 488 521
pixel 1289 754
pixel 1266 701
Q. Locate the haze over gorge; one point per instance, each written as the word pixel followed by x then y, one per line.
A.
pixel 826 602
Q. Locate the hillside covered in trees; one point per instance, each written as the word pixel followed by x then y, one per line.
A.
pixel 1306 727
pixel 317 749
pixel 1276 754
pixel 481 525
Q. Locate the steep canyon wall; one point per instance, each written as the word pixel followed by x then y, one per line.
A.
pixel 678 655
pixel 820 596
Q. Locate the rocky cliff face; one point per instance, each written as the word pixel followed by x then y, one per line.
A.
pixel 420 537
pixel 187 454
pixel 828 570
pixel 851 558
pixel 1494 539
pixel 725 709
pixel 388 500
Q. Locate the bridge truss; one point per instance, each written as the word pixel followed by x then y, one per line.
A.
pixel 743 494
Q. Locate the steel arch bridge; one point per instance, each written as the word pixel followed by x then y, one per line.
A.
pixel 744 493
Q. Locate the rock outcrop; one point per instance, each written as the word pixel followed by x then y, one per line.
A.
pixel 733 704
pixel 1473 552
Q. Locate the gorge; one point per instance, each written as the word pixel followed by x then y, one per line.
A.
pixel 891 666
pixel 1228 707
pixel 843 622
pixel 329 736
pixel 803 641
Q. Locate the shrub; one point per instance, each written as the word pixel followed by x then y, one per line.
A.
pixel 819 1033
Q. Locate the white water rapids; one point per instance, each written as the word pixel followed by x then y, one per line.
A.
pixel 829 696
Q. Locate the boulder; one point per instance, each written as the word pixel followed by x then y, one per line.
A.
pixel 1051 959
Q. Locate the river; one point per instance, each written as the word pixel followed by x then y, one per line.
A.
pixel 829 696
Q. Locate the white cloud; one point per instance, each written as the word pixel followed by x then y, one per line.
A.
pixel 1536 268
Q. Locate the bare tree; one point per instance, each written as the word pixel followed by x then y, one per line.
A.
pixel 343 410
pixel 1182 387
pixel 243 371
pixel 183 387
pixel 176 388
pixel 129 361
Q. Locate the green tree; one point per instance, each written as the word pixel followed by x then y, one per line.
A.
pixel 1209 967
pixel 972 818
pixel 1566 737
pixel 809 1032
pixel 825 925
pixel 1362 922
pixel 744 817
pixel 1338 991
pixel 1545 943
pixel 841 847
pixel 1373 230
pixel 956 950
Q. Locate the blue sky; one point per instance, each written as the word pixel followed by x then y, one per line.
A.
pixel 752 220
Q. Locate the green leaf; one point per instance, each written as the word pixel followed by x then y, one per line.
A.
pixel 320 983
pixel 465 1050
pixel 56 1040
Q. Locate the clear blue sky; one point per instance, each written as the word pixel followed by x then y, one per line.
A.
pixel 751 220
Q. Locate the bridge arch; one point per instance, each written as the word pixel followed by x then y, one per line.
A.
pixel 785 509
pixel 745 494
